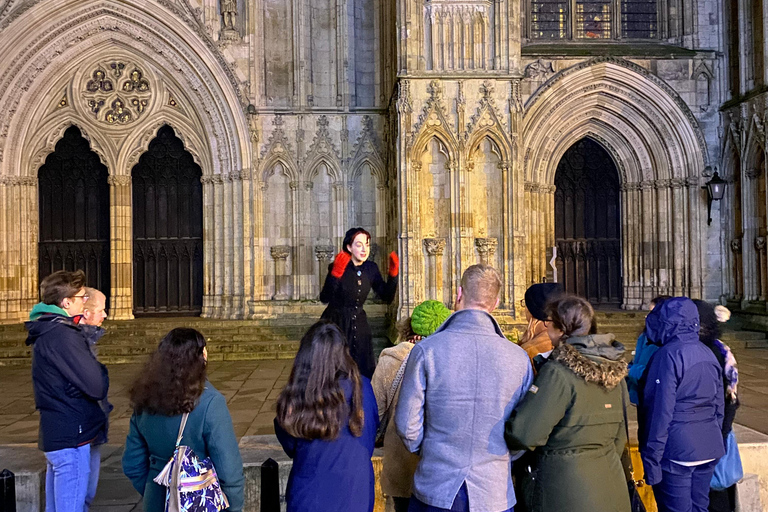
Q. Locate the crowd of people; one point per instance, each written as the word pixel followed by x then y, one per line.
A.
pixel 468 420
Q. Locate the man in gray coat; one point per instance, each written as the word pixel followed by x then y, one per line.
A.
pixel 460 385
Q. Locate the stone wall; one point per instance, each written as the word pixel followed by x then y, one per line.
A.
pixel 438 125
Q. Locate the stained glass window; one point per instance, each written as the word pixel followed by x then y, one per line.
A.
pixel 549 19
pixel 593 19
pixel 639 19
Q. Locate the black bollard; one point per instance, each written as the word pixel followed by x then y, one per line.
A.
pixel 270 486
pixel 7 491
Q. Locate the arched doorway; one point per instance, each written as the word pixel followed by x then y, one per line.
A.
pixel 587 223
pixel 74 212
pixel 167 229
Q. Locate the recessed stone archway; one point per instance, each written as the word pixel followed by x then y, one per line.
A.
pixel 191 90
pixel 660 153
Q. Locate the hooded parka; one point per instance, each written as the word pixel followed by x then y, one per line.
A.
pixel 573 417
pixel 680 414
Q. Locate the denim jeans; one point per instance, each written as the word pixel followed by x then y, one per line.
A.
pixel 93 477
pixel 66 479
pixel 684 488
pixel 460 503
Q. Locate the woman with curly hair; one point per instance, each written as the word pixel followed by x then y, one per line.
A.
pixel 326 422
pixel 573 417
pixel 174 382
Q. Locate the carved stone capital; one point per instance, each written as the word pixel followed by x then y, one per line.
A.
pixel 28 181
pixel 294 185
pixel 662 184
pixel 760 243
pixel 677 183
pixel 121 180
pixel 486 246
pixel 736 245
pixel 280 252
pixel 324 252
pixel 692 181
pixel 434 246
pixel 753 173
pixel 646 185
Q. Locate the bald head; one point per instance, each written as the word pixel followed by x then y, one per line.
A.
pixel 93 309
pixel 480 288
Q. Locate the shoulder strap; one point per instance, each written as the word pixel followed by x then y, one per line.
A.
pixel 181 428
pixel 626 428
pixel 397 381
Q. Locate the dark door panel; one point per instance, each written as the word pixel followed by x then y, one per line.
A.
pixel 167 229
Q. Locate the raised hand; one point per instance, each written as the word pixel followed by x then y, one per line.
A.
pixel 340 264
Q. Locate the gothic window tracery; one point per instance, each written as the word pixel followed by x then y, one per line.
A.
pixel 113 101
pixel 593 19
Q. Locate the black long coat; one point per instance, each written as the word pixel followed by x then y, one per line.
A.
pixel 345 297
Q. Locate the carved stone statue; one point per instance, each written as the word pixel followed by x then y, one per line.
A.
pixel 229 13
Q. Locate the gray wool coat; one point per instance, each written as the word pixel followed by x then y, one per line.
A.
pixel 460 385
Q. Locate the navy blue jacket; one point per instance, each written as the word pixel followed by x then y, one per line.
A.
pixel 68 382
pixel 333 476
pixel 681 409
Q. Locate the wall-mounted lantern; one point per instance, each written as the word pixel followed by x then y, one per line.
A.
pixel 715 192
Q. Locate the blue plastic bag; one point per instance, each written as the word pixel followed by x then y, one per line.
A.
pixel 728 470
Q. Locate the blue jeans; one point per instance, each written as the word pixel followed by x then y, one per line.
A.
pixel 66 479
pixel 460 503
pixel 93 477
pixel 684 488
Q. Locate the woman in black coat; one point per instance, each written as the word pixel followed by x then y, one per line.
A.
pixel 350 278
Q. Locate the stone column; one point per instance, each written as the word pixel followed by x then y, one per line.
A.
pixel 761 267
pixel 738 277
pixel 324 255
pixel 121 248
pixel 18 247
pixel 296 289
pixel 750 224
pixel 435 248
pixel 209 242
pixel 280 254
pixel 486 249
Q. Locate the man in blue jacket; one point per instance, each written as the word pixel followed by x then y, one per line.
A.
pixel 68 383
pixel 681 410
pixel 460 384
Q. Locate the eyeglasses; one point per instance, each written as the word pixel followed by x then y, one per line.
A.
pixel 522 303
pixel 83 296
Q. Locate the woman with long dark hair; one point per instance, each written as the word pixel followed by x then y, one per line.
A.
pixel 573 419
pixel 173 382
pixel 326 422
pixel 350 278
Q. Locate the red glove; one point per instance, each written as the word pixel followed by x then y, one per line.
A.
pixel 394 264
pixel 340 264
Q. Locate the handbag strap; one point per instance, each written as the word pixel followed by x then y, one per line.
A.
pixel 626 429
pixel 396 382
pixel 181 428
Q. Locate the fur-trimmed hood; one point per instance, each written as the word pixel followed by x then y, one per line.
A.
pixel 597 358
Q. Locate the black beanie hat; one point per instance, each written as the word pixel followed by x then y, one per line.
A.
pixel 537 296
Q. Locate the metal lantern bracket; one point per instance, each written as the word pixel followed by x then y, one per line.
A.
pixel 715 191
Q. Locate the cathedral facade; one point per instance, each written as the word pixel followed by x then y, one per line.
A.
pixel 207 156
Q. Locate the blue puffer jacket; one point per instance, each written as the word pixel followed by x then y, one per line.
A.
pixel 681 407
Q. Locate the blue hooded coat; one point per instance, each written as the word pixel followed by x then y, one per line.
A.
pixel 681 408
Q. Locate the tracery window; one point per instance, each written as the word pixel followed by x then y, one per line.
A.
pixel 593 19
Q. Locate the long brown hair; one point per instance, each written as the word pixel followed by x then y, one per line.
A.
pixel 174 377
pixel 572 315
pixel 312 405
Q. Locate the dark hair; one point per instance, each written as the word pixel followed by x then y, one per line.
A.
pixel 173 379
pixel 313 405
pixel 709 327
pixel 60 285
pixel 572 315
pixel 349 237
pixel 656 301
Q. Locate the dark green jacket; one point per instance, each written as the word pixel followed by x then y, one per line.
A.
pixel 573 417
pixel 209 432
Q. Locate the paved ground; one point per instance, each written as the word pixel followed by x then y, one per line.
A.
pixel 251 388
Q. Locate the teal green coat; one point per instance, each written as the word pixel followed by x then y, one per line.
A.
pixel 209 432
pixel 573 417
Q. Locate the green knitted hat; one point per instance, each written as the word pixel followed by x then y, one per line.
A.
pixel 428 316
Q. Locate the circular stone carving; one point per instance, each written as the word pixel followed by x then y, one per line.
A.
pixel 116 92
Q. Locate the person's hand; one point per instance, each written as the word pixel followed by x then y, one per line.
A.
pixel 394 264
pixel 340 264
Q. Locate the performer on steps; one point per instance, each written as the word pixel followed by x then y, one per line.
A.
pixel 350 278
